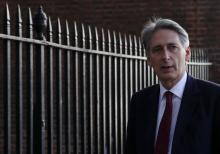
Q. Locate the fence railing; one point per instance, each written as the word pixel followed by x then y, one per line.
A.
pixel 68 92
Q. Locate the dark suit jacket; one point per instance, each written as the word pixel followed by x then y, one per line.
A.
pixel 198 124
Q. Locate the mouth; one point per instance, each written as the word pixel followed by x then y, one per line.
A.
pixel 166 68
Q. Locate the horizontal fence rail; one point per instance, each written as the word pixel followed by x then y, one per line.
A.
pixel 68 91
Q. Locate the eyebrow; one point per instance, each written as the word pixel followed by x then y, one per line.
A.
pixel 156 46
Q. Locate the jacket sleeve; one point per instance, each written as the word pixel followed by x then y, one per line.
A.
pixel 216 127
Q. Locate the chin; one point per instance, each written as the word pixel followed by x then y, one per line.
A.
pixel 167 77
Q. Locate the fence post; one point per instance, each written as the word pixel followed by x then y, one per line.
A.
pixel 40 23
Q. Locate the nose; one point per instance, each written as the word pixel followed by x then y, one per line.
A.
pixel 165 53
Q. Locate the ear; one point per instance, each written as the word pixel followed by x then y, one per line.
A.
pixel 188 54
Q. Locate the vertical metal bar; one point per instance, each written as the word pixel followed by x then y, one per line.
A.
pixel 156 78
pixel 145 69
pixel 121 102
pixel 42 105
pixel 31 86
pixel 60 85
pixel 148 75
pixel 20 88
pixel 115 94
pixel 196 60
pixel 68 137
pixel 152 76
pixel 201 66
pixel 198 66
pixel 8 97
pixel 126 82
pixel 98 94
pixel 196 72
pixel 78 122
pixel 206 66
pixel 194 66
pixel 136 64
pixel 204 58
pixel 191 66
pixel 110 94
pixel 131 67
pixel 104 94
pixel 85 138
pixel 188 66
pixel 39 107
pixel 191 59
pixel 91 87
pixel 140 65
pixel 51 123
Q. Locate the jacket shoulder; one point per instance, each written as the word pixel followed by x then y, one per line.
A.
pixel 207 85
pixel 147 91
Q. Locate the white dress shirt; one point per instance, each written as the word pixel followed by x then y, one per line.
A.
pixel 177 91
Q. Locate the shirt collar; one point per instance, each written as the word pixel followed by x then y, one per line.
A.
pixel 177 90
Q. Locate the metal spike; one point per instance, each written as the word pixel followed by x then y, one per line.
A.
pixel 130 44
pixel 115 42
pixel 120 43
pixel 135 45
pixel 67 34
pixel 59 30
pixel 59 25
pixel 50 30
pixel 76 34
pixel 109 41
pixel 83 37
pixel 8 22
pixel 103 39
pixel 19 22
pixel 140 47
pixel 126 44
pixel 7 13
pixel 19 14
pixel 90 38
pixel 30 23
pixel 97 39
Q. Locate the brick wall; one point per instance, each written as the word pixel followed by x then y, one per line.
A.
pixel 200 18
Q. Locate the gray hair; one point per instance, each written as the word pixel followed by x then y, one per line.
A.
pixel 158 23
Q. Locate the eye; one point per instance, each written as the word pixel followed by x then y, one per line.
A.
pixel 172 47
pixel 156 49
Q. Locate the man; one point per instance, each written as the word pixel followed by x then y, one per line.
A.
pixel 181 115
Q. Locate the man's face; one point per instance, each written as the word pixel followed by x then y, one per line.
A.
pixel 167 56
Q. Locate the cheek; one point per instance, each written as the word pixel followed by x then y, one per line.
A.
pixel 154 64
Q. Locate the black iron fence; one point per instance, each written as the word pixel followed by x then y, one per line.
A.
pixel 68 91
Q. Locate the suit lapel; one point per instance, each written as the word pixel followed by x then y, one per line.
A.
pixel 188 105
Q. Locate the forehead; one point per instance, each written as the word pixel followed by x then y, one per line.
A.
pixel 163 37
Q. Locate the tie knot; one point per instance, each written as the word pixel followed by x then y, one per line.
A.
pixel 168 95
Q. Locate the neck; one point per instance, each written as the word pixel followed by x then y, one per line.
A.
pixel 169 84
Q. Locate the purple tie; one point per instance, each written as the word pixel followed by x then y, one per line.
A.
pixel 162 142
